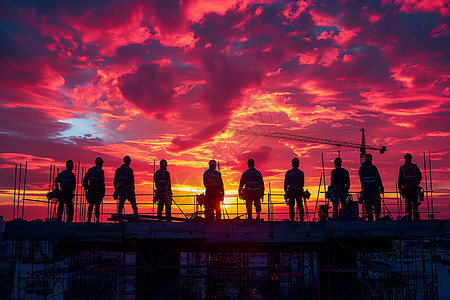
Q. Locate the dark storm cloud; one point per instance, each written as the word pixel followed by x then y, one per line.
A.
pixel 30 124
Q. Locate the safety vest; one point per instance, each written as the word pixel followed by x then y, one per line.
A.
pixel 161 180
pixel 93 176
pixel 122 176
pixel 252 187
pixel 66 181
pixel 211 179
pixel 368 177
pixel 410 174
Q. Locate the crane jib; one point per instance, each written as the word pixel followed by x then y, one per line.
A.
pixel 293 137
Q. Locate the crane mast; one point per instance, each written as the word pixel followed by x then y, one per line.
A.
pixel 287 136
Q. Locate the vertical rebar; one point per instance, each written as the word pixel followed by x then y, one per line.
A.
pixel 77 172
pixel 53 205
pixel 268 203
pixel 49 189
pixel 18 192
pixel 15 187
pixel 318 194
pixel 399 214
pixel 24 188
pixel 431 185
pixel 426 184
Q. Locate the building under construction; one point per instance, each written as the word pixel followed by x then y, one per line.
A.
pixel 228 259
pixel 225 260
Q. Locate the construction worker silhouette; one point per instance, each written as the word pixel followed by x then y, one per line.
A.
pixel 339 186
pixel 163 191
pixel 409 178
pixel 66 183
pixel 124 186
pixel 294 180
pixel 251 189
pixel 214 193
pixel 94 185
pixel 371 186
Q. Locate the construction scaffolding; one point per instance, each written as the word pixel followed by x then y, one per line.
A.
pixel 270 260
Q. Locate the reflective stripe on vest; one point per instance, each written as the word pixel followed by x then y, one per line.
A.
pixel 410 179
pixel 369 179
pixel 253 185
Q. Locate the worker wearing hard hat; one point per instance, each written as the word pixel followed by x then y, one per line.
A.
pixel 251 189
pixel 294 180
pixel 124 186
pixel 94 185
pixel 339 186
pixel 409 178
pixel 163 191
pixel 371 186
pixel 65 182
pixel 214 192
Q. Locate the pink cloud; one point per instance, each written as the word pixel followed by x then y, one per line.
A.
pixel 412 6
pixel 440 30
pixel 113 25
pixel 180 144
pixel 151 88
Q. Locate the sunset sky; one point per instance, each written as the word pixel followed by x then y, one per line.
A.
pixel 162 79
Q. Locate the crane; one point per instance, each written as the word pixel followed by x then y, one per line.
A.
pixel 287 136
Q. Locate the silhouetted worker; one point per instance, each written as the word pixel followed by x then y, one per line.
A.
pixel 339 186
pixel 94 184
pixel 214 193
pixel 163 191
pixel 251 189
pixel 294 180
pixel 124 186
pixel 371 186
pixel 409 178
pixel 66 183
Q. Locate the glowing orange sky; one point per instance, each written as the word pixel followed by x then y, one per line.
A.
pixel 161 79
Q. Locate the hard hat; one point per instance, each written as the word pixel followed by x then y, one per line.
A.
pixel 69 162
pixel 126 158
pixel 98 160
pixel 338 161
pixel 212 162
pixel 408 156
pixel 163 163
pixel 368 156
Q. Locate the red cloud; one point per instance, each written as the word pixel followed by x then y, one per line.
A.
pixel 151 88
pixel 182 144
pixel 426 6
pixel 260 155
pixel 113 25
